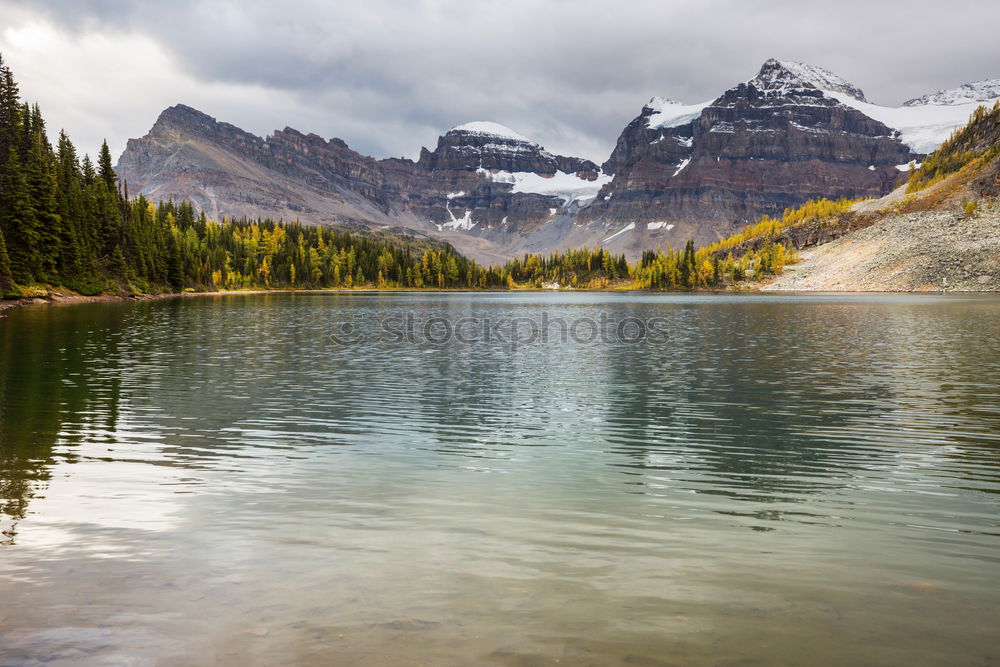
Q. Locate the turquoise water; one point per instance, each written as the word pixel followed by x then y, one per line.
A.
pixel 790 480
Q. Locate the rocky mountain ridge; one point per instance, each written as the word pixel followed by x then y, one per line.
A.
pixel 678 171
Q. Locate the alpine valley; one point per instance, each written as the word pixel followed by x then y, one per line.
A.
pixel 678 171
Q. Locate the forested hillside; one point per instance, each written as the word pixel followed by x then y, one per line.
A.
pixel 972 148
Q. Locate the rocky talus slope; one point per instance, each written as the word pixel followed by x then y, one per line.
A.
pixel 939 251
pixel 941 232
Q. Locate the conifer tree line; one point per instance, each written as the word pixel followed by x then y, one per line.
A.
pixel 721 264
pixel 65 221
pixel 969 147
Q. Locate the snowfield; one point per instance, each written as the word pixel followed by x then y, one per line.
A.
pixel 923 128
pixel 923 123
pixel 568 187
pixel 464 223
pixel 491 129
pixel 667 113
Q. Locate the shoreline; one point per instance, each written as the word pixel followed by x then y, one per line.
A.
pixel 61 298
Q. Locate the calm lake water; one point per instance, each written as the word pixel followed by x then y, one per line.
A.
pixel 784 480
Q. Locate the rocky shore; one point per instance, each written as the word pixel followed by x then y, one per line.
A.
pixel 62 297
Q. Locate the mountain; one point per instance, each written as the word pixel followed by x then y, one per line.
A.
pixel 677 172
pixel 763 146
pixel 495 147
pixel 226 171
pixel 495 184
pixel 484 188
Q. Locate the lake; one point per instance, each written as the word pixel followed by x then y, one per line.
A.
pixel 502 478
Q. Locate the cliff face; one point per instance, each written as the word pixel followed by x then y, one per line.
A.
pixel 677 172
pixel 226 171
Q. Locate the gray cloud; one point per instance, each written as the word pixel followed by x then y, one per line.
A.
pixel 389 76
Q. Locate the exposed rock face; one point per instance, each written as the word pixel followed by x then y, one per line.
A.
pixel 764 145
pixel 664 127
pixel 680 171
pixel 226 171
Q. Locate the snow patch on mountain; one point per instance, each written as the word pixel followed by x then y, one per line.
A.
pixel 464 223
pixel 987 90
pixel 923 128
pixel 628 228
pixel 568 187
pixel 489 128
pixel 667 113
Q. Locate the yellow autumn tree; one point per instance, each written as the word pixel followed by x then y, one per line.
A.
pixel 265 271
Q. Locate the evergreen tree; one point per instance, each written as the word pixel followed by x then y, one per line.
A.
pixel 18 222
pixel 105 168
pixel 6 278
pixel 40 179
pixel 10 104
pixel 175 265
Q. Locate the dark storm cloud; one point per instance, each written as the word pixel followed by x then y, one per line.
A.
pixel 389 76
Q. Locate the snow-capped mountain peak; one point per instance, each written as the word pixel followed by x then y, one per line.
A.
pixel 986 90
pixel 822 78
pixel 783 77
pixel 657 103
pixel 775 78
pixel 491 129
pixel 922 123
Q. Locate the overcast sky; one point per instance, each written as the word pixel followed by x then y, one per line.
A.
pixel 389 76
